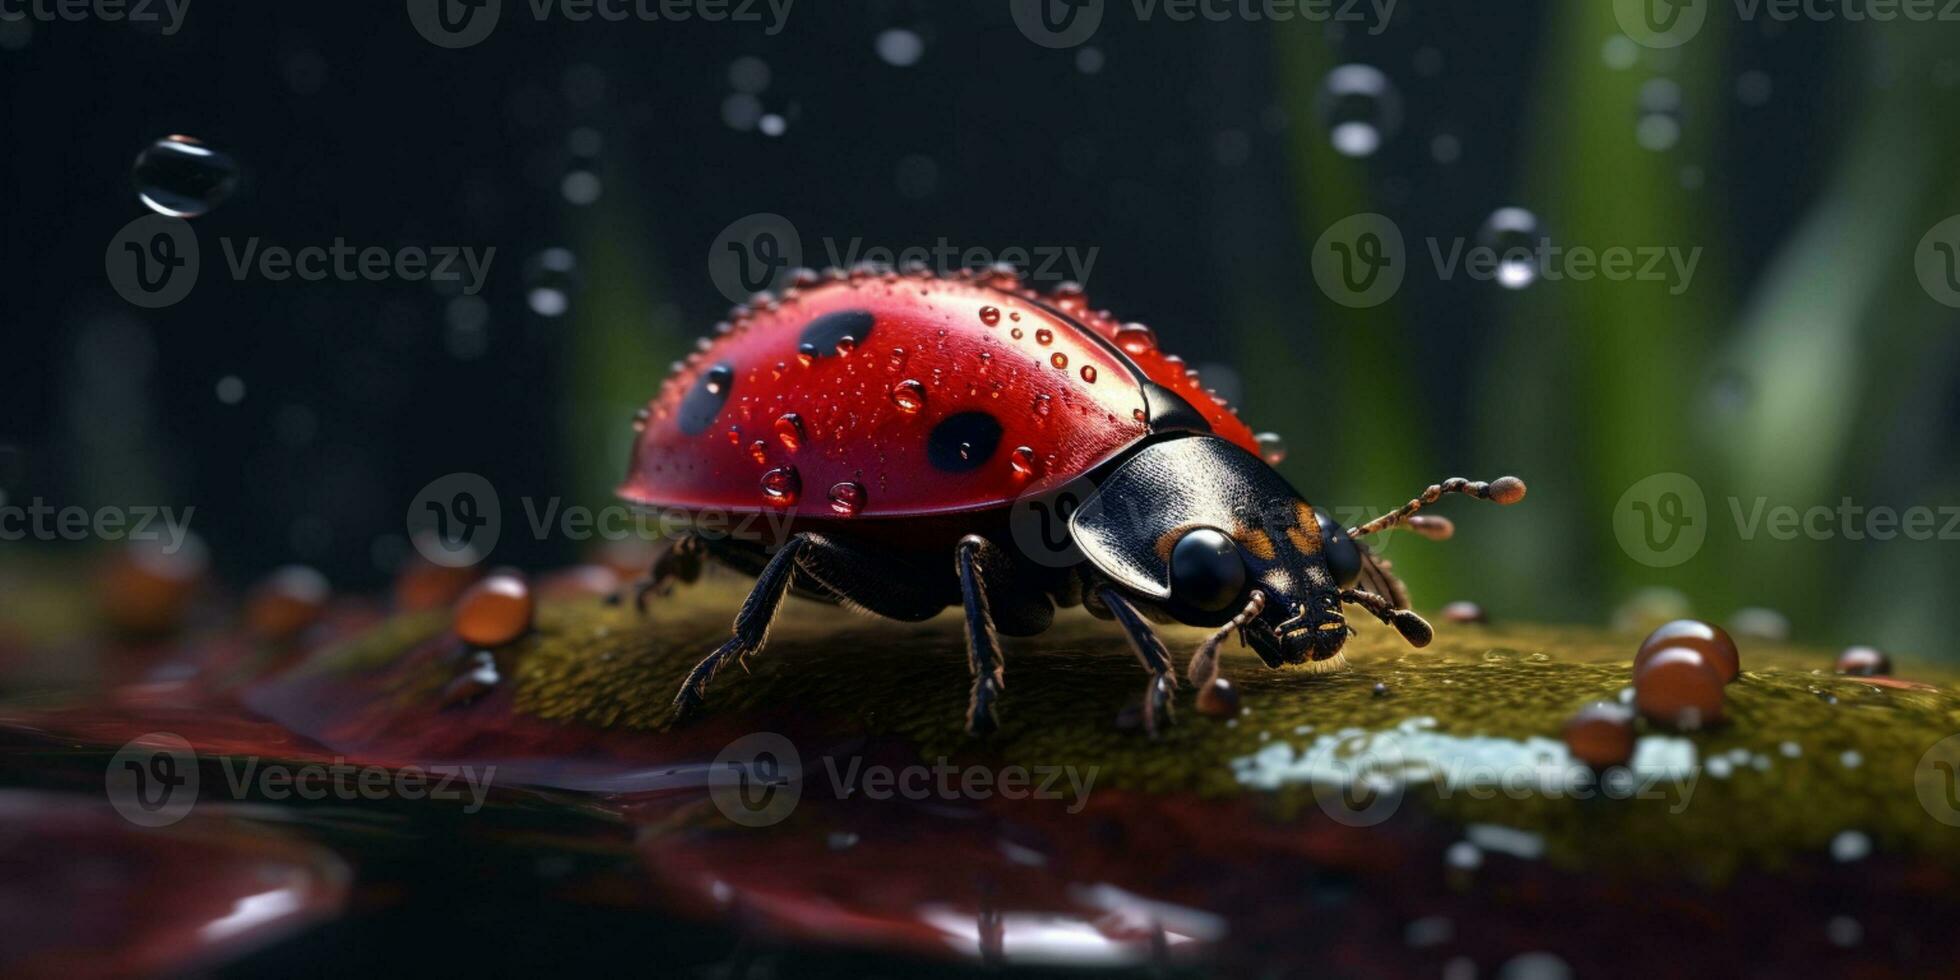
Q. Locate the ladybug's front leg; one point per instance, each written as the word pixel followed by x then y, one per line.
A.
pixel 751 625
pixel 982 646
pixel 1150 650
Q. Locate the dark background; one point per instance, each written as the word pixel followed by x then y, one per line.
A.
pixel 1192 160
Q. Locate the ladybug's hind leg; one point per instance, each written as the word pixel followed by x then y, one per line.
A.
pixel 982 645
pixel 751 624
pixel 1150 650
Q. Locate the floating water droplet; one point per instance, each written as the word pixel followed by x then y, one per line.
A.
pixel 1513 234
pixel 1272 448
pixel 1659 127
pixel 1044 336
pixel 989 315
pixel 782 485
pixel 1360 108
pixel 1089 373
pixel 789 431
pixel 1135 338
pixel 640 418
pixel 846 499
pixel 899 47
pixel 1021 461
pixel 909 395
pixel 180 177
pixel 550 279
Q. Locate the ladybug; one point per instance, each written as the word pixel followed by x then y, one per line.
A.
pixel 886 423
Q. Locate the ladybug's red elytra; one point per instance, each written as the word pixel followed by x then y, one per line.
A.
pixel 893 418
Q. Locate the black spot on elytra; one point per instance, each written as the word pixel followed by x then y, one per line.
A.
pixel 825 331
pixel 705 399
pixel 1168 410
pixel 963 442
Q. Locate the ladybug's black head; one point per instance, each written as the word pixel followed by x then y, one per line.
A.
pixel 1194 525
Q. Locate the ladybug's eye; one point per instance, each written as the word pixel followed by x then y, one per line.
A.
pixel 1343 555
pixel 1206 570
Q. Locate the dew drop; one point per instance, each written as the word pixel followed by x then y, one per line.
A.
pixel 1059 359
pixel 898 359
pixel 989 315
pixel 1089 373
pixel 806 354
pixel 846 344
pixel 777 371
pixel 846 499
pixel 1512 233
pixel 782 485
pixel 550 280
pixel 734 435
pixel 181 177
pixel 1135 338
pixel 1139 415
pixel 718 379
pixel 1272 448
pixel 1021 460
pixel 759 451
pixel 640 418
pixel 1360 108
pixel 909 395
pixel 1016 333
pixel 1044 336
pixel 789 431
pixel 1043 405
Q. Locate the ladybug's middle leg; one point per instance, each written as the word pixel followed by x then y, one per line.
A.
pixel 982 646
pixel 1150 650
pixel 751 624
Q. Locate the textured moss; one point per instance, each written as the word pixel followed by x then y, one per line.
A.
pixel 1785 784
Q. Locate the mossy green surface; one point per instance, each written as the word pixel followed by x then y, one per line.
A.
pixel 1803 756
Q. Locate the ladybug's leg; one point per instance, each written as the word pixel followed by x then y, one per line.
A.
pixel 1150 650
pixel 751 624
pixel 982 646
pixel 1503 490
pixel 680 561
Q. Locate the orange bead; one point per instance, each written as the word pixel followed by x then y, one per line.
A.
pixel 1708 639
pixel 1676 686
pixel 1600 734
pixel 1218 699
pixel 494 611
pixel 1864 662
pixel 286 603
pixel 146 590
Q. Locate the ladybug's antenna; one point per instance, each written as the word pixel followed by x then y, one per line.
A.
pixel 1204 663
pixel 1503 490
pixel 1413 628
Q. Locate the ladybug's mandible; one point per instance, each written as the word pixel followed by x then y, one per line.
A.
pixel 887 422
